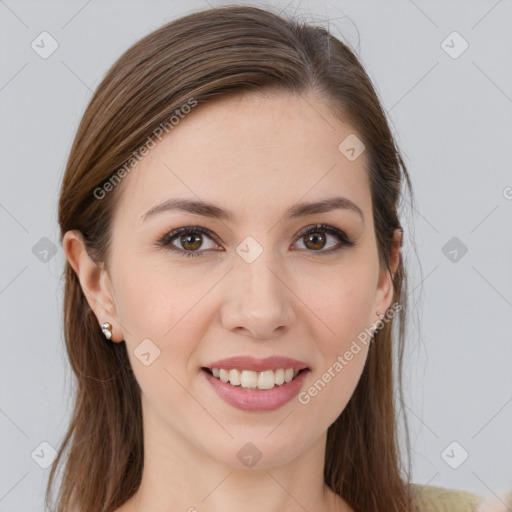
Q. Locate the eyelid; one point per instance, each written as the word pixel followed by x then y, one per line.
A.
pixel 166 239
pixel 324 227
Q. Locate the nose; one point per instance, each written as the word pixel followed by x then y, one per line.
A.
pixel 259 300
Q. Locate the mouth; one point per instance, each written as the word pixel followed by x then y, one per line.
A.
pixel 254 380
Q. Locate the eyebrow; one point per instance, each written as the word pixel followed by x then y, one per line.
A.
pixel 207 209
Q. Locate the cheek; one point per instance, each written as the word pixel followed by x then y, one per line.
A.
pixel 160 311
pixel 155 299
pixel 325 397
pixel 165 313
pixel 342 341
pixel 343 309
pixel 343 302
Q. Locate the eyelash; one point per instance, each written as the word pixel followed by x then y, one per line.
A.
pixel 166 240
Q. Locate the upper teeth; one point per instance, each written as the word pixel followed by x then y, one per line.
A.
pixel 251 379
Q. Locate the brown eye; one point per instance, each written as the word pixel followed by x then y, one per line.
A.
pixel 315 240
pixel 188 241
pixel 191 242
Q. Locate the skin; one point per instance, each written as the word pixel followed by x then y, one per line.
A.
pixel 255 155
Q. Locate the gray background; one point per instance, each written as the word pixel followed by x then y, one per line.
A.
pixel 453 122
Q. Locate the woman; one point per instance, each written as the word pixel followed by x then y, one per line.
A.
pixel 229 218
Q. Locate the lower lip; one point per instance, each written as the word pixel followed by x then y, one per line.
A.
pixel 257 400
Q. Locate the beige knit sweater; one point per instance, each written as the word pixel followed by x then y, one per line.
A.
pixel 440 499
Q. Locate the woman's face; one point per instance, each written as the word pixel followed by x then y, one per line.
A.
pixel 245 282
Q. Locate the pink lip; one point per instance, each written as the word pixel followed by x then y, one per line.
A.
pixel 257 400
pixel 258 365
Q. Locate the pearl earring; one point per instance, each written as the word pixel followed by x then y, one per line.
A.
pixel 106 329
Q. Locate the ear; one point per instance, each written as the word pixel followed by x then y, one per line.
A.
pixel 94 280
pixel 385 289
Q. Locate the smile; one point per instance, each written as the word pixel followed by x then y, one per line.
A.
pixel 245 392
pixel 250 379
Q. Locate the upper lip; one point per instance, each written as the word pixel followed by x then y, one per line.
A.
pixel 259 365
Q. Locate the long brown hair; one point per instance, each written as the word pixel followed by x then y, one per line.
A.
pixel 202 56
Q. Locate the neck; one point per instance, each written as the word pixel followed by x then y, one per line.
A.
pixel 178 476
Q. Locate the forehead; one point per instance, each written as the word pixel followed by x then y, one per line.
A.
pixel 253 154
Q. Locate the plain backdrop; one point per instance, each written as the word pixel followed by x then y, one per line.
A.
pixel 449 102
